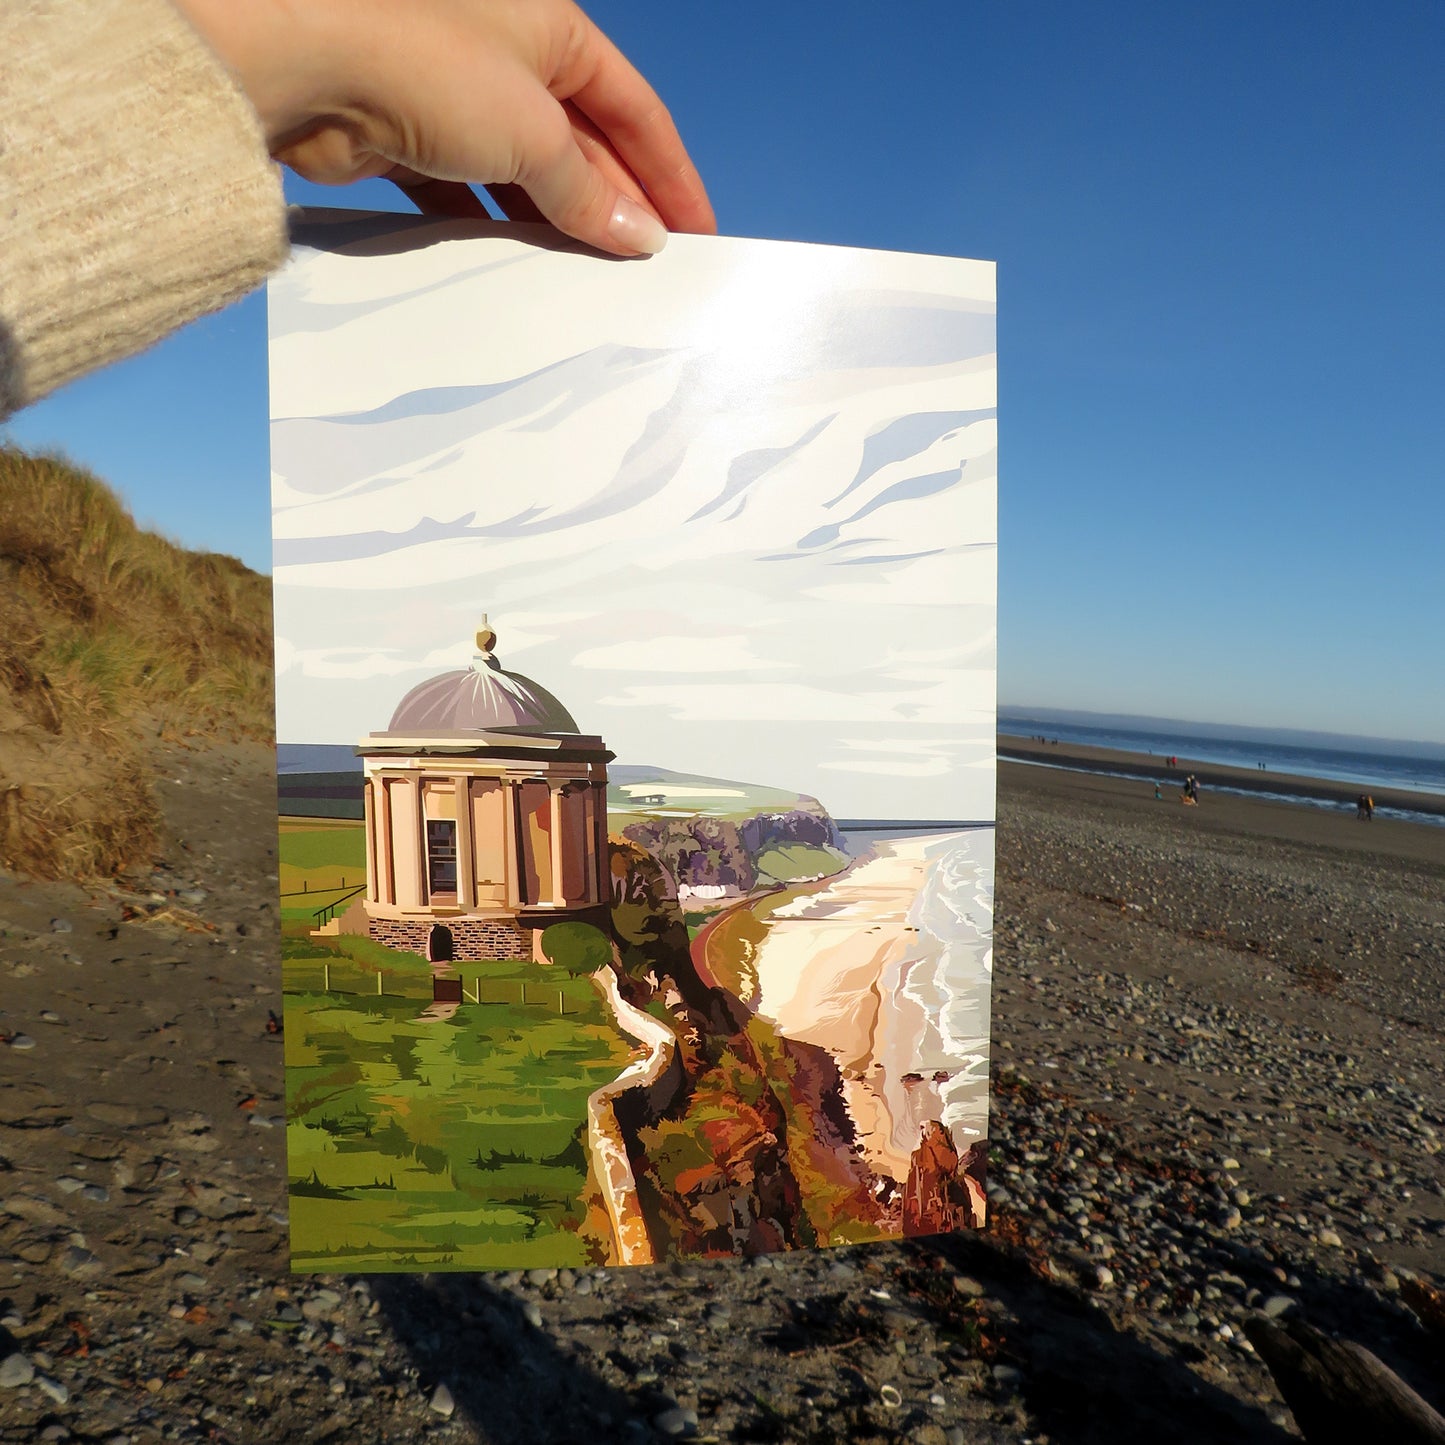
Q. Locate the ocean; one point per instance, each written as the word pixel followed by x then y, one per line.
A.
pixel 1365 762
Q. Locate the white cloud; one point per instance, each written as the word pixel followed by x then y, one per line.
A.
pixel 677 654
pixel 934 767
pixel 661 553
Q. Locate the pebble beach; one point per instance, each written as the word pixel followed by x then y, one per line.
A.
pixel 1216 1093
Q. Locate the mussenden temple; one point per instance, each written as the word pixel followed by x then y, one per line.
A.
pixel 486 818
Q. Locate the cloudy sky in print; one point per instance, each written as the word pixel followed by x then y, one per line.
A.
pixel 734 505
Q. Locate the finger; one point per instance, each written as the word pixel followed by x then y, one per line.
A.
pixel 442 198
pixel 573 193
pixel 601 83
pixel 599 153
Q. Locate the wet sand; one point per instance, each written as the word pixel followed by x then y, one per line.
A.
pixel 1215 775
pixel 1333 830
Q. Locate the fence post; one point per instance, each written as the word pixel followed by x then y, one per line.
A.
pixel 326 977
pixel 378 982
pixel 561 1002
pixel 524 993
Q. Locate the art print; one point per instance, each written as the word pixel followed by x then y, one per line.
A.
pixel 635 698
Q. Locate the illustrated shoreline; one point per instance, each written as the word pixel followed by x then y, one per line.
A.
pixel 1286 787
pixel 831 971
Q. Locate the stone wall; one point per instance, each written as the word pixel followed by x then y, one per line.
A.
pixel 473 939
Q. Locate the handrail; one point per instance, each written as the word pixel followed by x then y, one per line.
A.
pixel 329 911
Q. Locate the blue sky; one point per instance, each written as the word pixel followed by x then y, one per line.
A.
pixel 1220 353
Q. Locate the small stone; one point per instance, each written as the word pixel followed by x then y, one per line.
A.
pixel 61 925
pixel 15 1370
pixel 79 1262
pixel 1103 1276
pixel 185 1216
pixel 52 1389
pixel 966 1285
pixel 441 1402
pixel 1330 1239
pixel 532 1314
pixel 676 1421
pixel 96 1193
pixel 21 1042
pixel 1278 1304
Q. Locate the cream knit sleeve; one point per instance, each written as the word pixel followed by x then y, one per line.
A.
pixel 135 189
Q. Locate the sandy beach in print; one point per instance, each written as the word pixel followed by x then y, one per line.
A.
pixel 887 967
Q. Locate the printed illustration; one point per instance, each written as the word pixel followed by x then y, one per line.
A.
pixel 635 666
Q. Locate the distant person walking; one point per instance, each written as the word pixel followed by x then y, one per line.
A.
pixel 1364 808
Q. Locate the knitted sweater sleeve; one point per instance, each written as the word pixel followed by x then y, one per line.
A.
pixel 135 189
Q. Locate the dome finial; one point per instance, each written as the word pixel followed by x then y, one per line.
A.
pixel 486 638
pixel 486 641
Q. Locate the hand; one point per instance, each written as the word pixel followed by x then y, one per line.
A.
pixel 526 96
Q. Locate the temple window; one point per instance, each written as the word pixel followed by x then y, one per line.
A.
pixel 440 805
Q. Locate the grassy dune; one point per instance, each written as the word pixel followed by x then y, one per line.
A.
pixel 111 638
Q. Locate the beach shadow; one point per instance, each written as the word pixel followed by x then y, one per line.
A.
pixel 1383 1325
pixel 513 1383
pixel 1082 1380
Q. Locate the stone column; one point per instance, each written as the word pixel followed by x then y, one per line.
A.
pixel 368 814
pixel 408 842
pixel 385 866
pixel 466 853
pixel 512 842
pixel 589 843
pixel 602 871
pixel 559 896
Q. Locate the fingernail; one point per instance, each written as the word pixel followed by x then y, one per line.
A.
pixel 636 229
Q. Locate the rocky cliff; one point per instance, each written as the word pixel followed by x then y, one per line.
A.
pixel 729 856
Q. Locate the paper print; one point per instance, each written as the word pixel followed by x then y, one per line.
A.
pixel 635 697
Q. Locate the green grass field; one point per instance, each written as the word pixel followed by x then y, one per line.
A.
pixel 438 1144
pixel 321 860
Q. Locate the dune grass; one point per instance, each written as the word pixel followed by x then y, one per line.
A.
pixel 111 638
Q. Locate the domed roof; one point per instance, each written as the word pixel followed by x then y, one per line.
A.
pixel 482 697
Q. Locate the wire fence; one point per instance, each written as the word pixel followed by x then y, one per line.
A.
pixel 322 976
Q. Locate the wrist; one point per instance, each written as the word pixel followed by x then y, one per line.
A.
pixel 281 54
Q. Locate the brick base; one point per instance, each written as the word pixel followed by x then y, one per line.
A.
pixel 473 939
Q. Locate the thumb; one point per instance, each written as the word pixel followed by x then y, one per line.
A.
pixel 577 198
